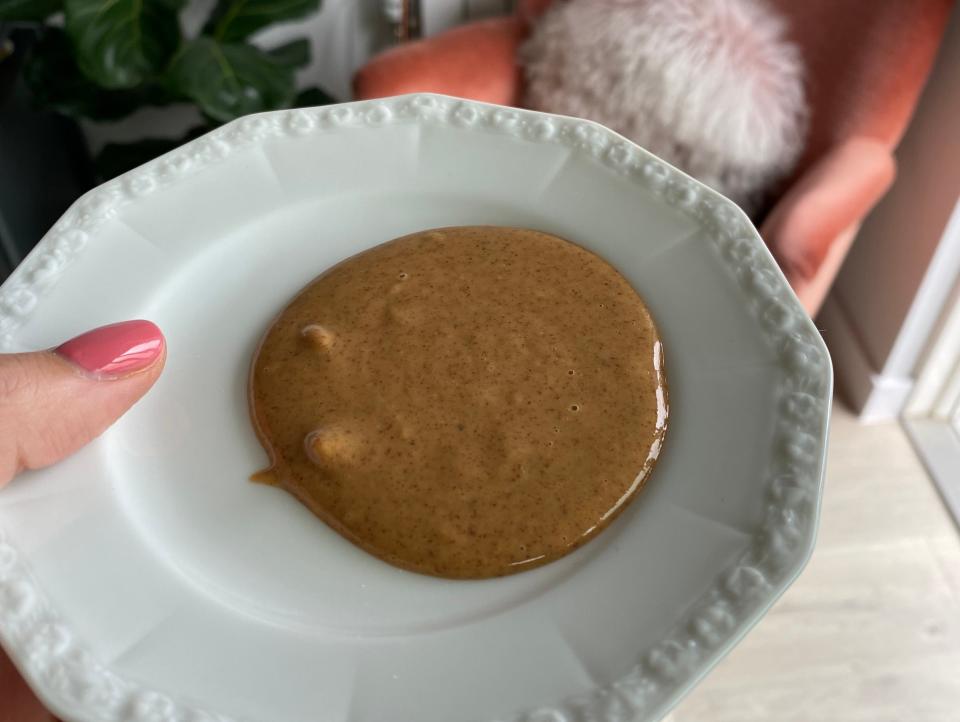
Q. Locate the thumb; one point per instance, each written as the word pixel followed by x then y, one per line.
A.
pixel 54 402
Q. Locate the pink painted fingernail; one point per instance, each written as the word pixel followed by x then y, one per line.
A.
pixel 117 350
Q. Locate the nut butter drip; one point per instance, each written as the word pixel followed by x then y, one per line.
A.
pixel 465 402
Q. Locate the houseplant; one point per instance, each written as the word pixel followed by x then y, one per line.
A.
pixel 102 60
pixel 109 58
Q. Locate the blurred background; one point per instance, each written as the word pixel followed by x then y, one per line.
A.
pixel 836 126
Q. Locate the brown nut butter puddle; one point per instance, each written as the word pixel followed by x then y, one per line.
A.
pixel 465 402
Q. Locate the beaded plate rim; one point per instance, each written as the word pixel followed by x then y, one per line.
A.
pixel 77 686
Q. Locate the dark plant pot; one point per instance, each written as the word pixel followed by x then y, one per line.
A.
pixel 44 162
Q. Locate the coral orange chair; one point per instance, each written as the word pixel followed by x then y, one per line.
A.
pixel 866 64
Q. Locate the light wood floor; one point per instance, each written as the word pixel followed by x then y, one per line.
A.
pixel 870 632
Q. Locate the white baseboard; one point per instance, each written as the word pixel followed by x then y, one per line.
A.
pixel 887 398
pixel 871 395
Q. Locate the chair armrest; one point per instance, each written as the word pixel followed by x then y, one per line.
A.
pixel 832 196
pixel 476 61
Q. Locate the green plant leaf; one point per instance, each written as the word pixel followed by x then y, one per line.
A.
pixel 312 96
pixel 230 80
pixel 294 54
pixel 117 158
pixel 119 43
pixel 56 83
pixel 35 10
pixel 234 20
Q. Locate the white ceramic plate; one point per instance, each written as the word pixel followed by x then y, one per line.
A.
pixel 147 580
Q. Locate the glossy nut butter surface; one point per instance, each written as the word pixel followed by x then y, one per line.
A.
pixel 464 402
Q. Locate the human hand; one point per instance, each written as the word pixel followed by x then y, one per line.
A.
pixel 52 403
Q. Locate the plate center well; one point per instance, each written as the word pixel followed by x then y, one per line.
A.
pixel 185 454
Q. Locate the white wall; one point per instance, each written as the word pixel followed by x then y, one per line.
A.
pixel 441 14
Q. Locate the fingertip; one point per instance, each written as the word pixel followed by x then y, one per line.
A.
pixel 56 401
pixel 117 350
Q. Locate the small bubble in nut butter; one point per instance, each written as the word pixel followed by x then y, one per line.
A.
pixel 332 446
pixel 318 336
